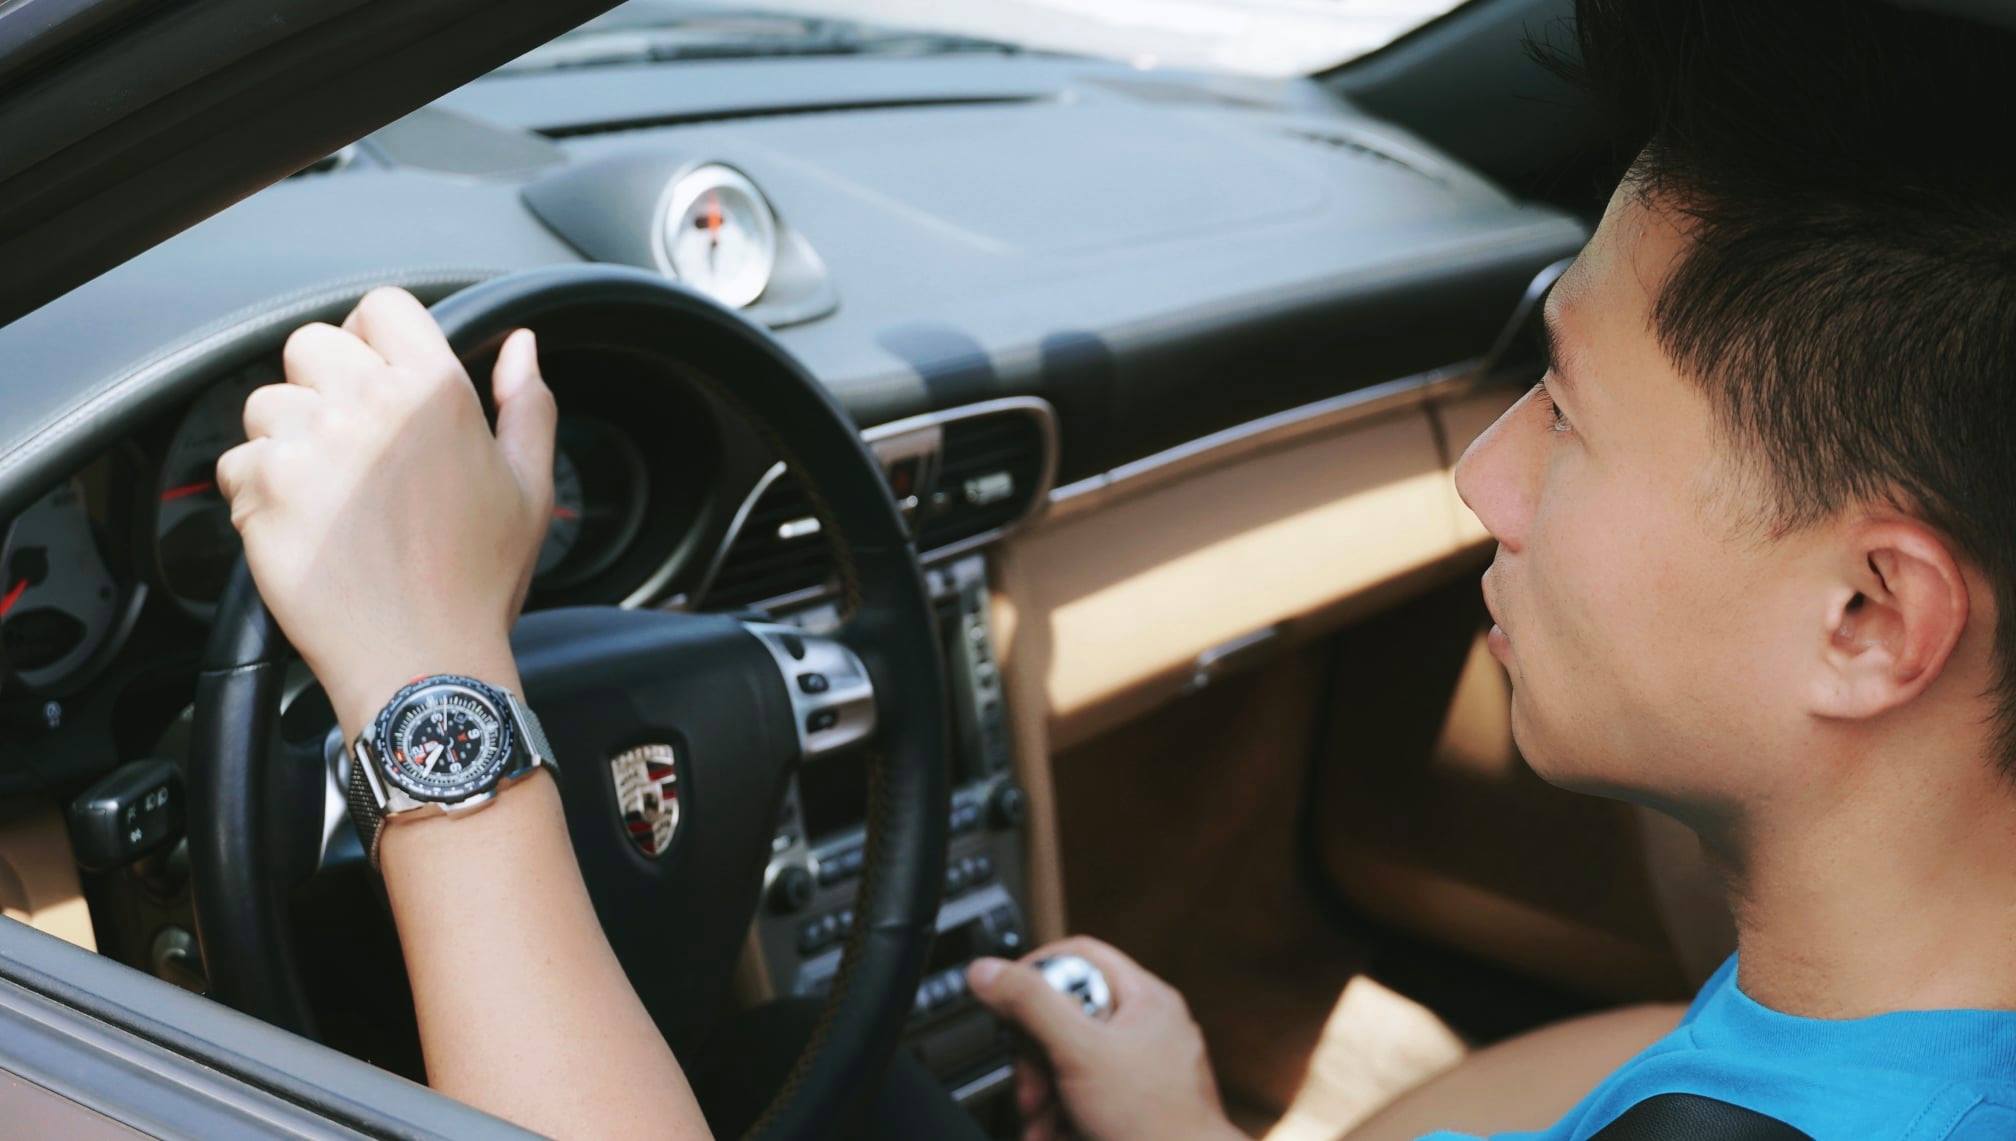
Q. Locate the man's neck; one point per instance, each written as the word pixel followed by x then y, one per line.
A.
pixel 1900 895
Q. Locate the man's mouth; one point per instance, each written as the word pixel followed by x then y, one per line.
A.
pixel 1497 640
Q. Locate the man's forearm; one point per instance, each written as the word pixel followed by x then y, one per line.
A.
pixel 524 1010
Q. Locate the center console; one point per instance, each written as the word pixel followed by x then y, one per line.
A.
pixel 817 857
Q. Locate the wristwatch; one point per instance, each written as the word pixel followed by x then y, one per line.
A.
pixel 443 744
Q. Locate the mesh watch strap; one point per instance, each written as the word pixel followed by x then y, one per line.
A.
pixel 365 814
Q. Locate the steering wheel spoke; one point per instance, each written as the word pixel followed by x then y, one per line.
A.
pixel 832 696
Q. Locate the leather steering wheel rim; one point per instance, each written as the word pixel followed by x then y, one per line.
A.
pixel 243 861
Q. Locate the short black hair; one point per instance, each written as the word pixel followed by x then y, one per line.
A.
pixel 1847 300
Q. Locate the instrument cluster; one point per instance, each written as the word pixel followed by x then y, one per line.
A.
pixel 147 519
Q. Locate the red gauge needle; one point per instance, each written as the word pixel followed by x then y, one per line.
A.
pixel 566 513
pixel 12 596
pixel 188 489
pixel 713 229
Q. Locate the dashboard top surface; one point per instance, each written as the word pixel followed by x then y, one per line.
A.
pixel 991 226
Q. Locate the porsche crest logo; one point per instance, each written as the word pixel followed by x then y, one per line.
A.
pixel 647 796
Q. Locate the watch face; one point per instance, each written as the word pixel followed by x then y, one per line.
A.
pixel 444 742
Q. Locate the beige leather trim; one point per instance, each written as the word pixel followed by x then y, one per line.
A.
pixel 38 878
pixel 1116 605
pixel 1022 681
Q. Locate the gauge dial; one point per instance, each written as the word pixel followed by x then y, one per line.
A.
pixel 445 742
pixel 195 545
pixel 61 602
pixel 720 235
pixel 598 503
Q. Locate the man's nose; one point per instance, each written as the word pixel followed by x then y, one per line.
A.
pixel 1498 477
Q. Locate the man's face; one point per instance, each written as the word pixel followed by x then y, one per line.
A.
pixel 1648 630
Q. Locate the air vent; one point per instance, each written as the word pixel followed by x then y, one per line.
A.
pixel 1348 144
pixel 780 550
pixel 991 470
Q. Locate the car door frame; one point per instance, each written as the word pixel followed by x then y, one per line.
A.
pixel 138 119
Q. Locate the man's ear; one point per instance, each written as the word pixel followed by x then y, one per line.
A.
pixel 1898 611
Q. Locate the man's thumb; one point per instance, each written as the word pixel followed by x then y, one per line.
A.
pixel 1018 993
pixel 526 415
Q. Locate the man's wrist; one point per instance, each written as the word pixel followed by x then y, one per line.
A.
pixel 357 695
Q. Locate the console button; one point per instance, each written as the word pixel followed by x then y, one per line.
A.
pixel 1008 944
pixel 982 869
pixel 1007 806
pixel 955 880
pixel 852 861
pixel 791 890
pixel 813 683
pixel 811 936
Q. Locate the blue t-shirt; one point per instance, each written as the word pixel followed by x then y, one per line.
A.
pixel 1926 1075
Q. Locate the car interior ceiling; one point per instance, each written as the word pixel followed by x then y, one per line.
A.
pixel 1220 681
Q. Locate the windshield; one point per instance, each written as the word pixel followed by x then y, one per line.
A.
pixel 1252 37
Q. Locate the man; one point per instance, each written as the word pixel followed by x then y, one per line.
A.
pixel 1757 568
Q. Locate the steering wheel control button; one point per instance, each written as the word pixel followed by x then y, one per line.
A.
pixel 829 687
pixel 131 812
pixel 1074 977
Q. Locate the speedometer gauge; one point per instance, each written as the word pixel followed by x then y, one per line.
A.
pixel 61 603
pixel 720 235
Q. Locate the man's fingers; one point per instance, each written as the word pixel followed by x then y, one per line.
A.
pixel 236 474
pixel 399 329
pixel 1016 992
pixel 526 415
pixel 323 357
pixel 279 410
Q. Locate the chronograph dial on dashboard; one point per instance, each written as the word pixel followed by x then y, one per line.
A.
pixel 720 234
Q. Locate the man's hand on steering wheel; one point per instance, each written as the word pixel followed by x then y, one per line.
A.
pixel 1142 1073
pixel 390 532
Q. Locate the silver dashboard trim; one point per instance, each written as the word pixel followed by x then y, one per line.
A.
pixel 1240 440
pixel 887 438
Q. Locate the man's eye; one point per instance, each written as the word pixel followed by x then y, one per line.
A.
pixel 1557 419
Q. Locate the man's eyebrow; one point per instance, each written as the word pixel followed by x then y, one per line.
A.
pixel 1551 344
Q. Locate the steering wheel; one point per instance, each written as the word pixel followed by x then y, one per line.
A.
pixel 718 693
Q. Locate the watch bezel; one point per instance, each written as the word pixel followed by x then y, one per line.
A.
pixel 487 777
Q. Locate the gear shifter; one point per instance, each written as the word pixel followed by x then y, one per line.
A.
pixel 1074 977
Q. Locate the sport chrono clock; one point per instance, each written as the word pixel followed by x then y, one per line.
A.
pixel 445 743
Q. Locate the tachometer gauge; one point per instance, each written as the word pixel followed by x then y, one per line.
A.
pixel 598 503
pixel 195 545
pixel 62 602
pixel 565 530
pixel 720 235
